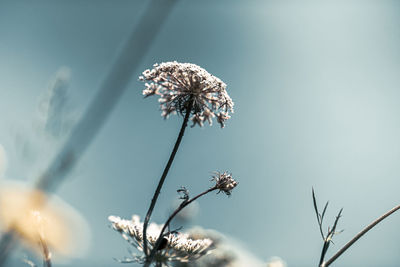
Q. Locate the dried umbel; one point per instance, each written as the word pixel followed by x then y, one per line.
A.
pixel 224 182
pixel 185 86
pixel 176 247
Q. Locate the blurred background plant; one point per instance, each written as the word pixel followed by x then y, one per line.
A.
pixel 41 227
pixel 188 90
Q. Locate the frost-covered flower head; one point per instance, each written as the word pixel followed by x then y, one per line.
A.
pixel 176 247
pixel 181 85
pixel 224 182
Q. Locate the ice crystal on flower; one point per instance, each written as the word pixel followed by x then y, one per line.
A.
pixel 181 85
pixel 178 247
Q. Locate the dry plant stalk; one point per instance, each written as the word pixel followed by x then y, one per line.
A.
pixel 108 94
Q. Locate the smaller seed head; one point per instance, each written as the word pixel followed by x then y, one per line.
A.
pixel 224 182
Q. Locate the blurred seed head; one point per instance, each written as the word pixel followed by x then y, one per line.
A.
pixel 28 213
pixel 227 253
pixel 178 84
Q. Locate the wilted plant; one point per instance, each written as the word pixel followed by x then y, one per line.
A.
pixel 192 92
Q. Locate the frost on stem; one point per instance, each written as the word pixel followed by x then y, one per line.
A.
pixel 178 84
pixel 178 247
pixel 224 182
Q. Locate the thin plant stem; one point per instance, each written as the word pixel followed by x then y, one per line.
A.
pixel 360 234
pixel 172 216
pixel 164 175
pixel 46 253
pixel 328 238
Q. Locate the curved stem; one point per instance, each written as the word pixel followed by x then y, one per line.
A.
pixel 360 234
pixel 163 176
pixel 181 207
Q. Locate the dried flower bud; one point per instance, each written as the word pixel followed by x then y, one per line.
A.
pixel 224 182
pixel 179 84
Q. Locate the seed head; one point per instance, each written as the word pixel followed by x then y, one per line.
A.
pixel 224 182
pixel 181 85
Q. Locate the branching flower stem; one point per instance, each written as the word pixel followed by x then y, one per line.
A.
pixel 172 216
pixel 163 176
pixel 359 235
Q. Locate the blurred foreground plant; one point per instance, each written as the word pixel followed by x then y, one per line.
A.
pixel 25 213
pixel 54 226
pixel 98 110
pixel 167 247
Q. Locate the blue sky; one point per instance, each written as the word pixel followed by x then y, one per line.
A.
pixel 315 86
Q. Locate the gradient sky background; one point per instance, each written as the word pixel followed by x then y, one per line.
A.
pixel 316 92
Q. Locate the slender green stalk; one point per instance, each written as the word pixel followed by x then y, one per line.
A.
pixel 359 235
pixel 163 176
pixel 172 216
